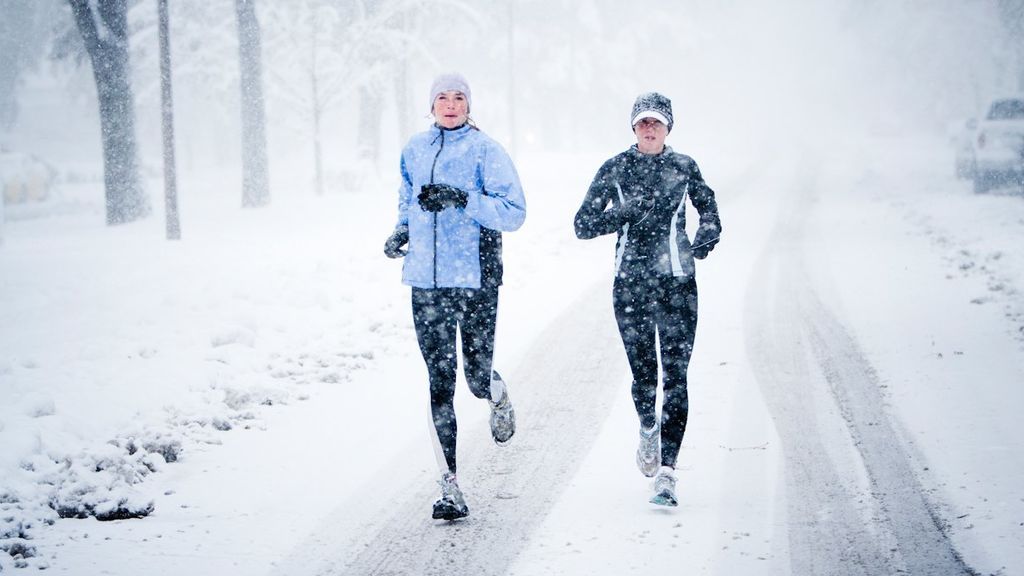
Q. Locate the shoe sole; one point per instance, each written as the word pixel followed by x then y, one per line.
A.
pixel 449 515
pixel 664 500
pixel 509 439
pixel 504 442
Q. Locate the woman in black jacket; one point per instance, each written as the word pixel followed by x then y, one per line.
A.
pixel 641 195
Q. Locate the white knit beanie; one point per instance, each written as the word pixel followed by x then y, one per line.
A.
pixel 448 82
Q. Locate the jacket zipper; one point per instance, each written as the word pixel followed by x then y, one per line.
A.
pixel 435 249
pixel 432 166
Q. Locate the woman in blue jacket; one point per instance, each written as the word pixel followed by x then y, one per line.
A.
pixel 640 194
pixel 459 192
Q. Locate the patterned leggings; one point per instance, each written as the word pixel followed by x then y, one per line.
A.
pixel 437 313
pixel 666 305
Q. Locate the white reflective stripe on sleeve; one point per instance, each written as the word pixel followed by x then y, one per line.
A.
pixel 620 249
pixel 673 245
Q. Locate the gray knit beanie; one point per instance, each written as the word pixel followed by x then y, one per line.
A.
pixel 447 82
pixel 652 105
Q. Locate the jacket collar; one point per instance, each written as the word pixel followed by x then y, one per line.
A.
pixel 453 133
pixel 636 153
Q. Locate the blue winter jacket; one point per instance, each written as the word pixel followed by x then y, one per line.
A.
pixel 456 247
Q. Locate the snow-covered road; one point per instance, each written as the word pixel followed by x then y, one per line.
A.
pixel 562 392
pixel 849 500
pixel 829 431
pixel 855 504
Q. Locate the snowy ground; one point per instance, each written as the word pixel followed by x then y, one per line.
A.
pixel 270 354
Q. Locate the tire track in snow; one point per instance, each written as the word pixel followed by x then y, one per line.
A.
pixel 855 504
pixel 562 394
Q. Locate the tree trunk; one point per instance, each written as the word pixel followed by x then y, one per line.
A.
pixel 3 218
pixel 405 124
pixel 105 33
pixel 371 109
pixel 167 109
pixel 315 94
pixel 370 116
pixel 255 187
pixel 512 78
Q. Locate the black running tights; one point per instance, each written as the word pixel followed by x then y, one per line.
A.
pixel 666 305
pixel 436 314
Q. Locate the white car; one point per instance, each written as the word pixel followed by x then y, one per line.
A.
pixel 24 178
pixel 999 145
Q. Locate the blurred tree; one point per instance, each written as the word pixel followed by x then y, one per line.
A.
pixel 24 35
pixel 324 54
pixel 206 81
pixel 403 22
pixel 305 73
pixel 103 25
pixel 512 78
pixel 1011 13
pixel 167 116
pixel 317 110
pixel 255 182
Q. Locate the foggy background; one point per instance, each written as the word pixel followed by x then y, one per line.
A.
pixel 547 76
pixel 824 127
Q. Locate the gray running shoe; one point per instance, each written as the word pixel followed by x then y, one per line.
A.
pixel 665 488
pixel 503 417
pixel 451 505
pixel 648 454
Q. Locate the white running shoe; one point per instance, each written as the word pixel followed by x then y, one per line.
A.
pixel 503 417
pixel 648 454
pixel 451 505
pixel 665 488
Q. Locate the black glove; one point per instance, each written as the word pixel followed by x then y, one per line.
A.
pixel 437 197
pixel 637 208
pixel 398 238
pixel 704 241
